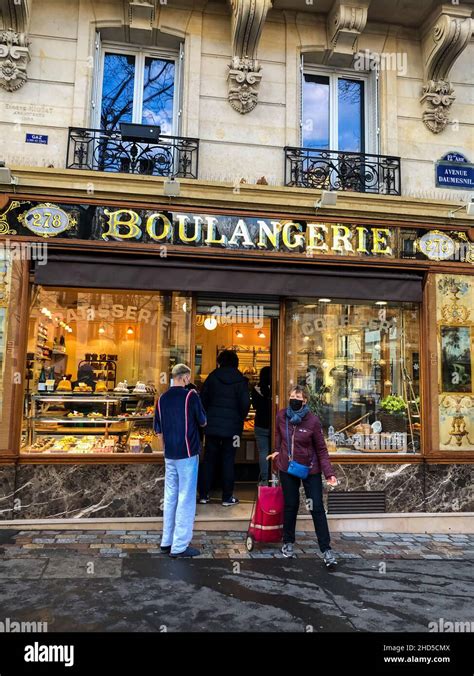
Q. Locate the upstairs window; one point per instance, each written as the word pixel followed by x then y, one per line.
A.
pixel 335 113
pixel 138 87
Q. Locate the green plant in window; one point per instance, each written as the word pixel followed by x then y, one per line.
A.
pixel 393 404
pixel 316 400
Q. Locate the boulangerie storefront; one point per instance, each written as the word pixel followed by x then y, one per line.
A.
pixel 376 318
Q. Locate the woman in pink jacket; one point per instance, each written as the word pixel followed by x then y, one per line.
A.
pixel 301 456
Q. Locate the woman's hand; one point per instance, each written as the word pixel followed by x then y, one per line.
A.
pixel 332 481
pixel 272 455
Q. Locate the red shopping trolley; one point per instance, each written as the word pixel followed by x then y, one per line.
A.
pixel 266 521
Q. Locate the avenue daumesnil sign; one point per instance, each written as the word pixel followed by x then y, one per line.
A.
pixel 100 223
pixel 454 170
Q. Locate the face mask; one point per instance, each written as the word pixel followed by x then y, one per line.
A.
pixel 296 404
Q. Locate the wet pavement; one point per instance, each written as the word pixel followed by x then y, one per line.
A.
pixel 118 581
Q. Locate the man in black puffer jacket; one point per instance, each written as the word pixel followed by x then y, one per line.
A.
pixel 226 399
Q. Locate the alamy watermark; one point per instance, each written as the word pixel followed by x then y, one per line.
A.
pixel 395 61
pixel 240 314
pixel 21 251
pixel 448 626
pixel 9 626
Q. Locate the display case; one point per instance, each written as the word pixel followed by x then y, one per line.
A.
pixel 90 423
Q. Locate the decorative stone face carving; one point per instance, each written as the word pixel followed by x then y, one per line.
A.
pixel 445 36
pixel 14 58
pixel 245 73
pixel 438 96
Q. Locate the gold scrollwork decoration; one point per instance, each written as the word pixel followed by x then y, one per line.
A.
pixel 4 225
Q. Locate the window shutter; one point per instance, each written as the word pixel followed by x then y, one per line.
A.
pixel 95 63
pixel 179 90
pixel 301 99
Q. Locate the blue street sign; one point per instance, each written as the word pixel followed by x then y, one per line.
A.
pixel 37 138
pixel 454 171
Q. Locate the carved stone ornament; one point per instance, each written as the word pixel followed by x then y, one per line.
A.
pixel 345 22
pixel 14 58
pixel 245 73
pixel 445 36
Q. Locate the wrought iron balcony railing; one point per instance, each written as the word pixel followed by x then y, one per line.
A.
pixel 340 170
pixel 99 150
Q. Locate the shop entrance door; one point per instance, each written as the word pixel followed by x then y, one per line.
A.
pixel 250 328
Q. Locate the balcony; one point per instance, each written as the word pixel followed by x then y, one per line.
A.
pixel 99 150
pixel 340 170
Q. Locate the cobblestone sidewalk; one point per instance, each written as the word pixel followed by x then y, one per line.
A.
pixel 231 544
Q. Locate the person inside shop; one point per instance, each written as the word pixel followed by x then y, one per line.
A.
pixel 226 399
pixel 301 456
pixel 85 374
pixel 179 414
pixel 262 403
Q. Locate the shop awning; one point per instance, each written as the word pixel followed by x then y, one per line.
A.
pixel 228 277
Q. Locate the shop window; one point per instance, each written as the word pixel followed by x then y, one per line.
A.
pixel 139 87
pixel 360 362
pixel 335 111
pixel 455 337
pixel 96 363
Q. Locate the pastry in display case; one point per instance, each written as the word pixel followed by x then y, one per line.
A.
pixel 82 388
pixel 97 423
pixel 101 386
pixel 64 385
pixel 122 387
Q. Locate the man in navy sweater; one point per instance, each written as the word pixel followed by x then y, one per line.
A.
pixel 178 415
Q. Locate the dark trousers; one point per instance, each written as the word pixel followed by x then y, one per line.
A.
pixel 219 450
pixel 313 488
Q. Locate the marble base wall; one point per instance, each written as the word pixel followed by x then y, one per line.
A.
pixel 7 489
pixel 410 487
pixel 136 490
pixel 81 491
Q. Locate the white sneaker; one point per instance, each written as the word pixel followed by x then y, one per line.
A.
pixel 288 551
pixel 230 502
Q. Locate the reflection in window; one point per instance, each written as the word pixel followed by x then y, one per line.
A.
pixel 351 115
pixel 158 92
pixel 361 364
pixel 97 361
pixel 315 111
pixel 138 88
pixel 117 90
pixel 333 112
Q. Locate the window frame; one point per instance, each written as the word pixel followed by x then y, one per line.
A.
pixel 370 80
pixel 140 54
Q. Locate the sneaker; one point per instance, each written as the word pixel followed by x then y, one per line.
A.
pixel 166 550
pixel 187 554
pixel 288 550
pixel 204 501
pixel 230 502
pixel 330 560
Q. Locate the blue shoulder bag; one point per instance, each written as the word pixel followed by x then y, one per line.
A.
pixel 295 468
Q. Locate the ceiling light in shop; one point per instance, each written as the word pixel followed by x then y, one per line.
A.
pixel 261 334
pixel 130 331
pixel 306 338
pixel 101 329
pixel 310 307
pixel 324 300
pixel 381 302
pixel 239 333
pixel 210 323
